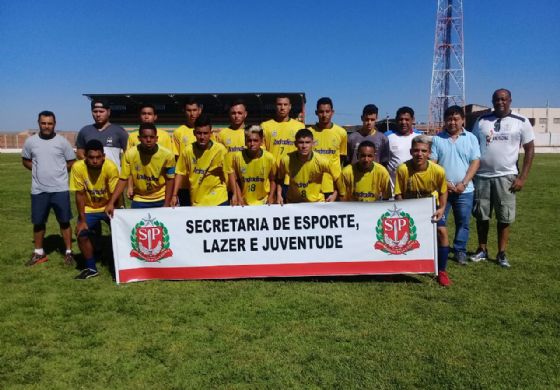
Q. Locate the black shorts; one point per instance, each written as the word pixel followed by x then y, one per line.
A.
pixel 42 203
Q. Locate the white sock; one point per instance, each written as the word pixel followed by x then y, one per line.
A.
pixel 68 251
pixel 40 251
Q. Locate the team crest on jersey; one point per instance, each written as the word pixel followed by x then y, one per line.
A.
pixel 396 232
pixel 243 170
pixel 150 241
pixel 274 133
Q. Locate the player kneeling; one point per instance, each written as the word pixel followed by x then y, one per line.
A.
pixel 422 178
pixel 366 180
pixel 94 180
pixel 305 169
pixel 252 172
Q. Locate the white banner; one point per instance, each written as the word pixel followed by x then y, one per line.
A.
pixel 341 238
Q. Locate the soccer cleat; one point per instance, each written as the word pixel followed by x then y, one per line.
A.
pixel 479 256
pixel 443 279
pixel 69 259
pixel 36 259
pixel 87 273
pixel 461 258
pixel 503 260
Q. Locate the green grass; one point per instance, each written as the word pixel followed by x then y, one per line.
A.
pixel 494 328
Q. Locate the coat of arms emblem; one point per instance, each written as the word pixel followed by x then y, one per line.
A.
pixel 396 232
pixel 150 240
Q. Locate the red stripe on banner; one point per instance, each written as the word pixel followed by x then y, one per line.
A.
pixel 278 270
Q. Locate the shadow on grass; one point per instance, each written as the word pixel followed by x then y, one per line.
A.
pixel 397 278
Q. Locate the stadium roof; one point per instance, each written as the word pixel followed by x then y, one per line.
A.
pixel 170 106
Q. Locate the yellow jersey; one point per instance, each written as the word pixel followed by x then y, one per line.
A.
pixel 306 177
pixel 332 144
pixel 164 139
pixel 279 137
pixel 233 140
pixel 253 175
pixel 421 184
pixel 182 137
pixel 368 186
pixel 148 172
pixel 98 184
pixel 206 173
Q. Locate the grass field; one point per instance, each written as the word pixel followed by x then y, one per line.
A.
pixel 495 328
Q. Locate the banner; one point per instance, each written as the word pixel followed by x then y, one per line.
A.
pixel 306 239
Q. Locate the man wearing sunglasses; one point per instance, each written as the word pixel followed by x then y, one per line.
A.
pixel 500 135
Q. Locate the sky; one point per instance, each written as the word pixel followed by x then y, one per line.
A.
pixel 356 52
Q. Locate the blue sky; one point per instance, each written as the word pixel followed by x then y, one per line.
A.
pixel 356 52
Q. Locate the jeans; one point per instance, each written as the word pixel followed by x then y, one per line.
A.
pixel 462 205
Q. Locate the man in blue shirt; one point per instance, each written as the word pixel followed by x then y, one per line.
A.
pixel 457 151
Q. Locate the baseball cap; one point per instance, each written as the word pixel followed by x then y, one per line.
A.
pixel 99 104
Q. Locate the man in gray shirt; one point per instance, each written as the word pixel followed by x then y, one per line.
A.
pixel 49 158
pixel 113 138
pixel 368 132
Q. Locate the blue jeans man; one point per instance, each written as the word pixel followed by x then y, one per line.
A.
pixel 462 205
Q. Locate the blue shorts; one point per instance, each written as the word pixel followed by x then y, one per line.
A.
pixel 42 203
pixel 93 220
pixel 145 205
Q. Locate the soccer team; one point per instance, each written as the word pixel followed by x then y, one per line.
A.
pixel 280 161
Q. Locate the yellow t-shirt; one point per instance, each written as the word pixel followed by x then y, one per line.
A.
pixel 206 172
pixel 98 185
pixel 164 139
pixel 253 175
pixel 366 186
pixel 279 137
pixel 182 137
pixel 306 177
pixel 148 172
pixel 331 144
pixel 233 140
pixel 422 184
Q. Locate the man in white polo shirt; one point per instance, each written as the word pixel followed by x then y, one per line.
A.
pixel 400 141
pixel 500 135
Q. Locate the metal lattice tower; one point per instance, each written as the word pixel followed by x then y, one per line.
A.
pixel 448 70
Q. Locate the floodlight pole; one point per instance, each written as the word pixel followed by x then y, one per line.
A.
pixel 448 68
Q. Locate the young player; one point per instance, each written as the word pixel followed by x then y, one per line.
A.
pixel 148 114
pixel 305 170
pixel 330 140
pixel 233 137
pixel 152 169
pixel 366 180
pixel 94 179
pixel 421 178
pixel 203 164
pixel 280 132
pixel 252 171
pixel 183 136
pixel 368 132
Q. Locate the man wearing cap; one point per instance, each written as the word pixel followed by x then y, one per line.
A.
pixel 49 157
pixel 114 138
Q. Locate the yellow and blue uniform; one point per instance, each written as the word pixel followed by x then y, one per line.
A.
pixel 206 173
pixel 306 177
pixel 330 143
pixel 367 186
pixel 412 184
pixel 148 172
pixel 279 137
pixel 98 185
pixel 182 137
pixel 164 139
pixel 253 174
pixel 233 140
